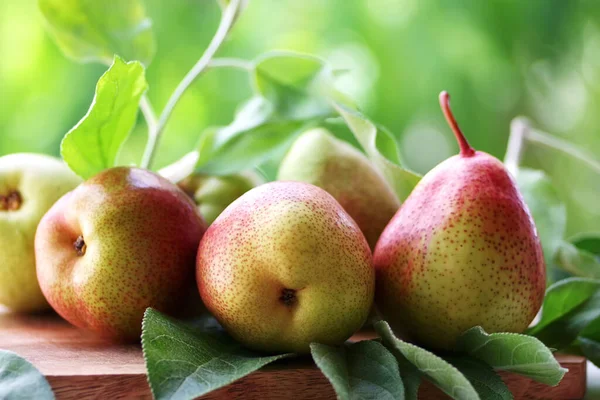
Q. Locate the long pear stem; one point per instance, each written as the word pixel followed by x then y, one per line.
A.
pixel 465 148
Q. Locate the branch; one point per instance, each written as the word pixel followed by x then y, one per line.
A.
pixel 228 17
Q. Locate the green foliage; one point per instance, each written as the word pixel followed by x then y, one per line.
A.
pixel 94 143
pixel 437 370
pixel 88 30
pixel 484 379
pixel 184 364
pixel 520 354
pixel 363 370
pixel 547 209
pixel 19 380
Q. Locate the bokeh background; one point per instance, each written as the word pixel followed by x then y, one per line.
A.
pixel 498 59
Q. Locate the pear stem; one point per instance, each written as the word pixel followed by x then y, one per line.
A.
pixel 465 148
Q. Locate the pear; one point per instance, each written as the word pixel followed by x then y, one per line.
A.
pixel 462 251
pixel 318 158
pixel 212 194
pixel 284 266
pixel 29 186
pixel 124 240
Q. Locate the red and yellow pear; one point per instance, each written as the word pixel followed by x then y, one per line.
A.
pixel 462 251
pixel 284 266
pixel 122 241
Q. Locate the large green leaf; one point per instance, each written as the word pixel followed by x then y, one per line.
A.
pixel 562 298
pixel 484 379
pixel 519 354
pixel 363 370
pixel 381 148
pixel 20 380
pixel 184 364
pixel 441 373
pixel 90 30
pixel 295 83
pixel 94 143
pixel 256 134
pixel 546 207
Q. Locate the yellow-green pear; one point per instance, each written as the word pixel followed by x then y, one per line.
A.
pixel 284 266
pixel 318 158
pixel 29 186
pixel 212 194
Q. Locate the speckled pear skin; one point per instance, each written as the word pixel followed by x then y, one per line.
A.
pixel 462 251
pixel 318 158
pixel 39 181
pixel 283 266
pixel 141 234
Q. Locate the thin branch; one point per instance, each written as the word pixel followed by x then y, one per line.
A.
pixel 227 19
pixel 148 113
pixel 514 151
pixel 568 148
pixel 231 63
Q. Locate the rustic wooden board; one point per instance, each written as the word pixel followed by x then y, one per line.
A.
pixel 80 366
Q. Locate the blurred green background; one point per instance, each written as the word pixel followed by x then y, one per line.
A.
pixel 498 59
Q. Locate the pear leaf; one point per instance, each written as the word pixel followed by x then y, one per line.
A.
pixel 587 242
pixel 294 83
pixel 381 148
pixel 94 143
pixel 256 135
pixel 484 379
pixel 88 30
pixel 520 354
pixel 362 370
pixel 547 209
pixel 578 262
pixel 562 298
pixel 441 373
pixel 19 379
pixel 183 363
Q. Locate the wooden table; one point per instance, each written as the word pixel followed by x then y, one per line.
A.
pixel 80 366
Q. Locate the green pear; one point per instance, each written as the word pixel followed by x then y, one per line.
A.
pixel 284 266
pixel 29 185
pixel 320 159
pixel 122 241
pixel 212 194
pixel 462 251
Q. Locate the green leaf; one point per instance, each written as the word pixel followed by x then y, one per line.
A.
pixel 484 379
pixel 563 297
pixel 19 379
pixel 94 143
pixel 185 364
pixel 441 373
pixel 381 148
pixel 256 135
pixel 578 262
pixel 520 354
pixel 295 83
pixel 589 341
pixel 88 30
pixel 548 210
pixel 587 242
pixel 363 370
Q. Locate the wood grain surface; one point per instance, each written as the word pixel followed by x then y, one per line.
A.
pixel 80 366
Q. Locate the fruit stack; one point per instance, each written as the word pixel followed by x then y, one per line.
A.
pixel 287 263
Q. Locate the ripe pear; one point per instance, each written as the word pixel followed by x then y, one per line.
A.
pixel 212 194
pixel 284 266
pixel 122 241
pixel 318 158
pixel 29 186
pixel 462 251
